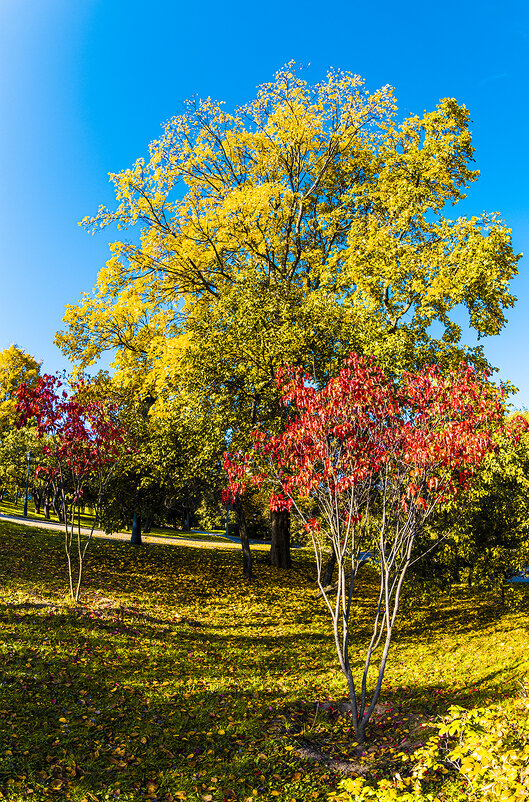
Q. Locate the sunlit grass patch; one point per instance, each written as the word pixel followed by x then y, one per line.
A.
pixel 11 507
pixel 174 679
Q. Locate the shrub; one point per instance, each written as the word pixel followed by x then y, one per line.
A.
pixel 480 754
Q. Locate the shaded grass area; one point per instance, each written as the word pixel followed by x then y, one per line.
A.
pixel 174 679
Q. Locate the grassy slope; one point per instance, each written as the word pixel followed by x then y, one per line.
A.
pixel 176 680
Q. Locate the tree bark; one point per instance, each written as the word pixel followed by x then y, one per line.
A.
pixel 47 506
pixel 57 507
pixel 243 534
pixel 328 571
pixel 280 548
pixel 135 536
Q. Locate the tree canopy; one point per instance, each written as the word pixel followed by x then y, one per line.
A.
pixel 309 223
pixel 300 224
pixel 17 367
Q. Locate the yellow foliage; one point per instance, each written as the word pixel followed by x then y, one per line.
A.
pixel 16 368
pixel 298 228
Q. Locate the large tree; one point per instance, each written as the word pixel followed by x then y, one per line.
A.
pixel 299 227
pixel 177 457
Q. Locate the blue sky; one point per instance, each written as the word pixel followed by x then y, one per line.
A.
pixel 85 86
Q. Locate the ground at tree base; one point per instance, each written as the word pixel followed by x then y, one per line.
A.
pixel 175 679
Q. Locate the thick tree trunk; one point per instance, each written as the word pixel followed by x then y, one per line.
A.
pixel 243 534
pixel 135 537
pixel 280 548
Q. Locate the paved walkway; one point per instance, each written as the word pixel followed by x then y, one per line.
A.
pixel 172 540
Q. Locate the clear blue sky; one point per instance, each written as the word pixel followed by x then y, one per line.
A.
pixel 85 85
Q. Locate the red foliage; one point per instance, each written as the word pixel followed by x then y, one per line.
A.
pixel 426 433
pixel 374 455
pixel 82 433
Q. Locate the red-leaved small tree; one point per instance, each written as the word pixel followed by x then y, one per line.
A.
pixel 364 461
pixel 82 441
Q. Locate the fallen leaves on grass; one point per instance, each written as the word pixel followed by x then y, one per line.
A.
pixel 173 679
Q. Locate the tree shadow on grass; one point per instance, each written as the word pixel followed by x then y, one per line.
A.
pixel 81 720
pixel 84 694
pixel 94 705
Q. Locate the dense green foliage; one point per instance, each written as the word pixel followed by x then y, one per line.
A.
pixel 484 534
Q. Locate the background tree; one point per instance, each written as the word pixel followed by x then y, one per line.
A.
pixel 303 225
pixel 16 367
pixel 14 447
pixel 375 457
pixel 485 530
pixel 83 442
pixel 176 463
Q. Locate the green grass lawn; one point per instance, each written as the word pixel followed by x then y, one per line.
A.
pixel 10 507
pixel 174 679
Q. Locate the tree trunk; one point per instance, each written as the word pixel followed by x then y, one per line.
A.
pixel 47 506
pixel 243 534
pixel 57 507
pixel 147 524
pixel 135 537
pixel 328 571
pixel 280 548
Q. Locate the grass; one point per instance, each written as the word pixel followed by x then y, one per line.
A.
pixel 174 679
pixel 16 508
